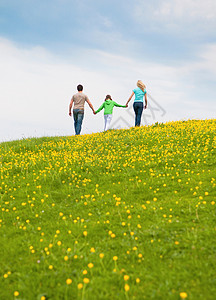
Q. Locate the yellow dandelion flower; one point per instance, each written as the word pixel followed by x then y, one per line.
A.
pixel 80 286
pixel 90 265
pixel 69 281
pixel 126 277
pixel 183 295
pixel 126 287
pixel 86 280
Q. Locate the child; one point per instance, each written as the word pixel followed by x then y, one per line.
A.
pixel 108 109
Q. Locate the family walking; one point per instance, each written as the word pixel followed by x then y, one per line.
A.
pixel 80 98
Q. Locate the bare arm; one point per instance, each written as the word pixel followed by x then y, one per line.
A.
pixel 70 106
pixel 129 99
pixel 145 100
pixel 90 105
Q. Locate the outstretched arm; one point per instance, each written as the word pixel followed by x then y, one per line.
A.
pixel 70 106
pixel 100 108
pixel 90 105
pixel 119 105
pixel 129 99
pixel 145 100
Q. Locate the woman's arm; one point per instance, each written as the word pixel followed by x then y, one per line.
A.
pixel 129 99
pixel 145 100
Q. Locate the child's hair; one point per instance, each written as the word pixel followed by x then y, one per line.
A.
pixel 108 97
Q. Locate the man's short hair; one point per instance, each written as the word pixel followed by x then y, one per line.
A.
pixel 79 88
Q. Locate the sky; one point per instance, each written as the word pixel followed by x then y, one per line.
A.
pixel 49 47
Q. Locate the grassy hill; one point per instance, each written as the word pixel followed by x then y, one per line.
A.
pixel 124 214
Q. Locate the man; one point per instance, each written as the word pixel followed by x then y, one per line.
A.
pixel 79 100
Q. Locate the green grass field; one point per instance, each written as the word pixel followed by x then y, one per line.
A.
pixel 124 214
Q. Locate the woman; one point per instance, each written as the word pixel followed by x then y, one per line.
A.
pixel 108 106
pixel 139 93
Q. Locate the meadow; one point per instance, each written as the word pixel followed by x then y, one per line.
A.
pixel 123 214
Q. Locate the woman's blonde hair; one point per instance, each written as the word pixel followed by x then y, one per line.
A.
pixel 141 85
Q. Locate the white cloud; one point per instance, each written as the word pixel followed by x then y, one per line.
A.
pixel 196 9
pixel 208 55
pixel 195 16
pixel 202 68
pixel 36 87
pixel 105 21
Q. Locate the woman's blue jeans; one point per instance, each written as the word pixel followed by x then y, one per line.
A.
pixel 138 109
pixel 78 115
